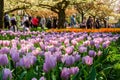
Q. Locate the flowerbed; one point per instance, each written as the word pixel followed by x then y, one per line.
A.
pixel 115 30
pixel 58 56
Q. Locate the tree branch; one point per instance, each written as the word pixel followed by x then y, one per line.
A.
pixel 18 8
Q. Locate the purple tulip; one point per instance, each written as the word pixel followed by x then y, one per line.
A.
pixel 35 52
pixel 61 39
pixel 41 53
pixel 92 53
pixel 6 43
pixel 3 59
pixel 14 54
pixel 92 43
pixel 4 50
pixel 99 53
pixel 82 49
pixel 87 60
pixel 42 46
pixel 97 46
pixel 42 78
pixel 50 62
pixel 86 43
pixel 69 50
pixel 74 42
pixel 27 61
pixel 104 46
pixel 66 41
pixel 7 74
pixel 68 60
pixel 52 49
pixel 74 70
pixel 33 79
pixel 89 38
pixel 65 74
pixel 58 55
pixel 76 56
pixel 32 48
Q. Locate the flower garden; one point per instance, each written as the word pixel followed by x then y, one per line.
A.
pixel 68 54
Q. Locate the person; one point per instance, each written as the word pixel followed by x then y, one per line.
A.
pixel 35 22
pixel 49 22
pixel 89 22
pixel 83 24
pixel 73 21
pixel 105 23
pixel 26 25
pixel 43 22
pixel 7 21
pixel 54 22
pixel 13 23
pixel 98 23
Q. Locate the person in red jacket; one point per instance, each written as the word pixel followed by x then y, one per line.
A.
pixel 35 22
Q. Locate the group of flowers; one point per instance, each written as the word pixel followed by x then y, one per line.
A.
pixel 51 55
pixel 114 30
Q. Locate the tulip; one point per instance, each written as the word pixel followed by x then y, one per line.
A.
pixel 58 55
pixel 14 54
pixel 97 46
pixel 42 78
pixel 87 60
pixel 76 56
pixel 42 46
pixel 92 53
pixel 50 62
pixel 4 50
pixel 27 61
pixel 33 79
pixel 92 43
pixel 65 74
pixel 7 74
pixel 69 50
pixel 68 60
pixel 82 49
pixel 74 42
pixel 66 41
pixel 3 59
pixel 99 53
pixel 74 70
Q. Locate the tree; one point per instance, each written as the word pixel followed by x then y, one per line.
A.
pixel 10 5
pixel 83 7
pixel 100 10
pixel 59 8
pixel 1 13
pixel 2 6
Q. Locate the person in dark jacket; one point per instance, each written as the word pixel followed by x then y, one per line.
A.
pixel 89 22
pixel 49 23
pixel 54 22
pixel 7 21
pixel 13 23
pixel 98 23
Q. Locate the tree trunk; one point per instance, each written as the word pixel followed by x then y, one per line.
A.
pixel 61 19
pixel 82 16
pixel 1 14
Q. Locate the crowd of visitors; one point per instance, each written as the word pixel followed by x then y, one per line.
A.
pixel 27 22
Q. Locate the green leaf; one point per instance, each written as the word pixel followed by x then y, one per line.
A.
pixel 22 75
pixel 1 75
pixel 53 77
pixel 92 74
